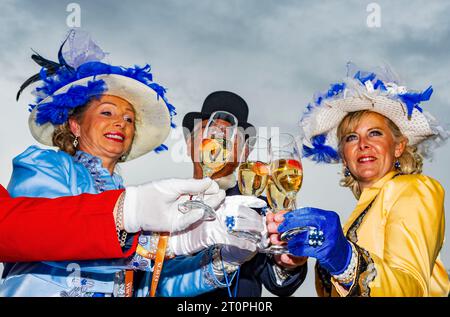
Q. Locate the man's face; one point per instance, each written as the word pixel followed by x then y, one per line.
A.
pixel 194 142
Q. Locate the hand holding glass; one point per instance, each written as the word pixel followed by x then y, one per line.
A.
pixel 286 177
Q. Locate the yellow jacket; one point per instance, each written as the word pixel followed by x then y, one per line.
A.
pixel 398 229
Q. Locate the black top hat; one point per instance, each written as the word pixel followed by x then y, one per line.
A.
pixel 221 101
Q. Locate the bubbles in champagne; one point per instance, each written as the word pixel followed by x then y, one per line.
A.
pixel 287 175
pixel 252 178
pixel 276 198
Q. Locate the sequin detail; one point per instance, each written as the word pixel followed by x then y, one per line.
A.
pixel 205 264
pixel 91 163
pixel 366 271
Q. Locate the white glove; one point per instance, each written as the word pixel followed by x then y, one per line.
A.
pixel 236 255
pixel 154 206
pixel 233 202
pixel 239 216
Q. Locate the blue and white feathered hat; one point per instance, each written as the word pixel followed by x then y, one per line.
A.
pixel 378 91
pixel 79 76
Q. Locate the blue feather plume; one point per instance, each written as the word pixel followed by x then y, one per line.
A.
pixel 320 152
pixel 334 90
pixel 379 84
pixel 359 75
pixel 58 110
pixel 161 148
pixel 413 99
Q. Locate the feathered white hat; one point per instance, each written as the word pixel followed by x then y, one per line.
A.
pixel 377 91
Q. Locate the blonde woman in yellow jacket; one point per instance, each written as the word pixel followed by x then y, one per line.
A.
pixel 390 245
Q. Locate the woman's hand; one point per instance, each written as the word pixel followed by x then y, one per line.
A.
pixel 284 260
pixel 328 244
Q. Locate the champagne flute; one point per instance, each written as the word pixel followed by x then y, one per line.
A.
pixel 286 178
pixel 276 198
pixel 253 173
pixel 215 151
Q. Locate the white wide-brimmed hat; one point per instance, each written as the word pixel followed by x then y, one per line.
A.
pixel 378 92
pixel 68 86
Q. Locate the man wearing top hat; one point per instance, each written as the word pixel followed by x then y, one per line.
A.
pixel 281 275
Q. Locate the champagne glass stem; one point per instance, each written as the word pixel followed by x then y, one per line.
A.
pixel 206 173
pixel 187 206
pixel 292 201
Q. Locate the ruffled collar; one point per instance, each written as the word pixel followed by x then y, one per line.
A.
pixel 99 174
pixel 87 159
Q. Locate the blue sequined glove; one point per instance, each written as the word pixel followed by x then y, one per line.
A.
pixel 324 240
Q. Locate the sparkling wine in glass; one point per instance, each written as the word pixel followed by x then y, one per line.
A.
pixel 276 198
pixel 286 177
pixel 253 171
pixel 215 151
pixel 213 155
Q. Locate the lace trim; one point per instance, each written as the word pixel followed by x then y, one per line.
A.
pixel 366 271
pixel 324 280
pixel 351 233
pixel 206 264
pixel 208 274
pixel 91 163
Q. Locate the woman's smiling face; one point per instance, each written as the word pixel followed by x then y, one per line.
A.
pixel 369 150
pixel 107 128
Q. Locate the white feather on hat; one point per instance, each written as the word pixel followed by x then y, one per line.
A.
pixel 366 91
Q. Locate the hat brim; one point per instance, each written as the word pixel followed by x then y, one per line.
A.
pixel 189 121
pixel 152 115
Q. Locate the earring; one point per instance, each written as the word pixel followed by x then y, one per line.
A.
pixel 397 165
pixel 123 158
pixel 75 142
pixel 347 172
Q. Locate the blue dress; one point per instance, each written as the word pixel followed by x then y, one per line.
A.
pixel 48 173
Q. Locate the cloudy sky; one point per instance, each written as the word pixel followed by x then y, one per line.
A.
pixel 275 54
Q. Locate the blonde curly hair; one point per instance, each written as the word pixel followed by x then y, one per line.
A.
pixel 411 162
pixel 62 135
